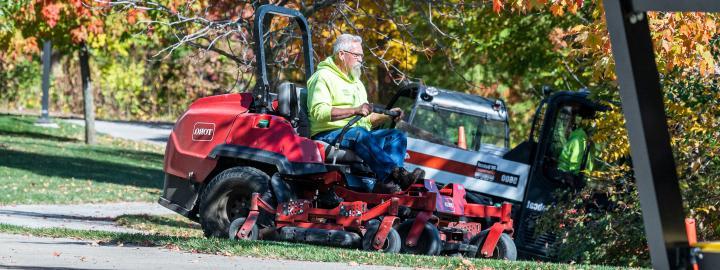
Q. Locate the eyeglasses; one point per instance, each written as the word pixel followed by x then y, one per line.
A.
pixel 357 55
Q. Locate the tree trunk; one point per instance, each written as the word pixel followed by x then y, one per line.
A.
pixel 47 61
pixel 88 105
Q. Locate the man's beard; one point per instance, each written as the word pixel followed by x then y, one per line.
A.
pixel 356 71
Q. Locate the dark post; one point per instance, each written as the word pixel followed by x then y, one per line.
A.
pixel 652 158
pixel 87 94
pixel 47 59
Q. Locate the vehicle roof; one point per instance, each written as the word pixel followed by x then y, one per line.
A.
pixel 466 103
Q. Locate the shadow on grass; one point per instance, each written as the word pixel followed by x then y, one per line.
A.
pixel 160 220
pixel 52 217
pixel 36 135
pixel 132 154
pixel 82 168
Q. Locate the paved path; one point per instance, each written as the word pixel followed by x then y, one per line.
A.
pixel 146 132
pixel 77 216
pixel 28 252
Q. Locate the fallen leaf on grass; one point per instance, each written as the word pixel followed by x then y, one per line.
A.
pixel 172 247
pixel 224 253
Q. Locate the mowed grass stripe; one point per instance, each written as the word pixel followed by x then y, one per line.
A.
pixel 47 165
pixel 288 251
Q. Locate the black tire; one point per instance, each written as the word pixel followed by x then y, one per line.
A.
pixel 428 243
pixel 228 197
pixel 392 242
pixel 235 227
pixel 505 248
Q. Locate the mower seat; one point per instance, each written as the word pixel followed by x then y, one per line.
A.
pixel 343 156
pixel 292 104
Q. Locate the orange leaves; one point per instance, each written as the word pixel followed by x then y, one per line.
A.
pixel 557 7
pixel 557 36
pixel 132 16
pixel 498 6
pixel 30 45
pixel 79 34
pixel 557 10
pixel 20 46
pixel 51 13
pixel 682 41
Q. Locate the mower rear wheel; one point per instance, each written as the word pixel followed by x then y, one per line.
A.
pixel 428 243
pixel 505 248
pixel 228 196
pixel 235 227
pixel 392 242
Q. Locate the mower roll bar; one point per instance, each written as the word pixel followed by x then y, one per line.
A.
pixel 262 87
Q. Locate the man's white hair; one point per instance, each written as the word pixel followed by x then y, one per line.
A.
pixel 344 42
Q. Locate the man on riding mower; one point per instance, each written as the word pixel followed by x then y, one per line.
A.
pixel 335 95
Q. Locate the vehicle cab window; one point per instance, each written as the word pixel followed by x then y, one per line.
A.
pixel 568 152
pixel 446 125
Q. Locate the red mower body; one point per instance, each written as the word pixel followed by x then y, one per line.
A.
pixel 221 123
pixel 205 124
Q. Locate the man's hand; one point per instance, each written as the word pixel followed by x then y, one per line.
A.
pixel 342 113
pixel 399 117
pixel 365 109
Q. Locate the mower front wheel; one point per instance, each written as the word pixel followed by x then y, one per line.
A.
pixel 505 248
pixel 228 196
pixel 429 242
pixel 392 242
pixel 235 227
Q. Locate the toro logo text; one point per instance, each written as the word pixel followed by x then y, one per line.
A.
pixel 203 131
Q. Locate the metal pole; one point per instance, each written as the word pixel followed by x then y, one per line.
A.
pixel 646 122
pixel 47 59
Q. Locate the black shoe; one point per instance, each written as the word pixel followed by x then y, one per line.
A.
pixel 386 188
pixel 328 199
pixel 405 178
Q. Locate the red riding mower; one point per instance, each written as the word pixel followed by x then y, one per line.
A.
pixel 243 166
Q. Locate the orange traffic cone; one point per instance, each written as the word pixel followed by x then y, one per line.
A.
pixel 691 231
pixel 462 143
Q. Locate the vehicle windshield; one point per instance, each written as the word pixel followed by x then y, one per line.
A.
pixel 444 125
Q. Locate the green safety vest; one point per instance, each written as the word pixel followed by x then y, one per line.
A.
pixel 573 152
pixel 329 87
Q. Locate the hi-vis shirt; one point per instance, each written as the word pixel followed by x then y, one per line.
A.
pixel 329 87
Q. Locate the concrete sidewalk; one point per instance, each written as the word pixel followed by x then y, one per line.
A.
pixel 137 131
pixel 99 217
pixel 29 252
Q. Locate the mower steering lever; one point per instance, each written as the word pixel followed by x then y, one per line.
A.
pixel 390 113
pixel 344 130
pixel 356 119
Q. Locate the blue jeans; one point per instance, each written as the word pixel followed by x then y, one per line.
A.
pixel 382 149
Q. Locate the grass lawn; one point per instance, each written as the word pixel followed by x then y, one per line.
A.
pixel 54 165
pixel 271 249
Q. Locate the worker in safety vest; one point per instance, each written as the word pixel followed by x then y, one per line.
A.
pixel 335 96
pixel 574 153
